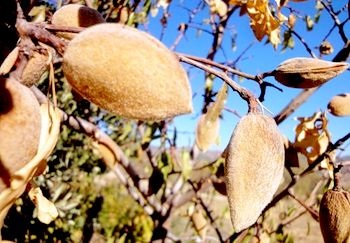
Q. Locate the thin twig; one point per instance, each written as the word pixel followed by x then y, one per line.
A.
pixel 336 21
pixel 59 28
pixel 233 112
pixel 218 31
pixel 220 66
pixel 294 104
pixel 301 39
pixel 90 129
pixel 296 178
pixel 244 93
pixel 312 212
pixel 208 213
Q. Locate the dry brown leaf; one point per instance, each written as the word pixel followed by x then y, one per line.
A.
pixel 218 7
pixel 262 22
pixel 47 212
pixel 10 60
pixel 312 136
pixel 238 2
pixel 50 128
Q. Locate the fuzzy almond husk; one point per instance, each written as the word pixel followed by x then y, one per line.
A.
pixel 335 216
pixel 35 68
pixel 339 105
pixel 20 124
pixel 301 72
pixel 128 72
pixel 253 169
pixel 75 15
pixel 207 132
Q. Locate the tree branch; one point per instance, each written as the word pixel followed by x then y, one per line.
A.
pixel 132 181
pixel 207 211
pixel 244 93
pixel 296 178
pixel 336 21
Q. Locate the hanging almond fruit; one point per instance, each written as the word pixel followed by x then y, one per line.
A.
pixel 19 130
pixel 128 72
pixel 339 105
pixel 253 169
pixel 335 216
pixel 326 48
pixel 306 73
pixel 37 65
pixel 75 15
pixel 207 130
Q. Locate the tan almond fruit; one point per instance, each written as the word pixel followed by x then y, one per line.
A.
pixel 20 125
pixel 253 168
pixel 127 72
pixel 326 48
pixel 306 73
pixel 335 216
pixel 339 105
pixel 75 15
pixel 37 65
pixel 207 132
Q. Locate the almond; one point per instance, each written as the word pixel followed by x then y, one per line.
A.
pixel 207 132
pixel 253 169
pixel 20 128
pixel 339 105
pixel 335 216
pixel 306 73
pixel 127 72
pixel 75 15
pixel 35 68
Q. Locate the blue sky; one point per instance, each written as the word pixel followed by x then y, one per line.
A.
pixel 259 58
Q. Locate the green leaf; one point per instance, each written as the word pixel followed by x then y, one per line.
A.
pixel 186 164
pixel 309 23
